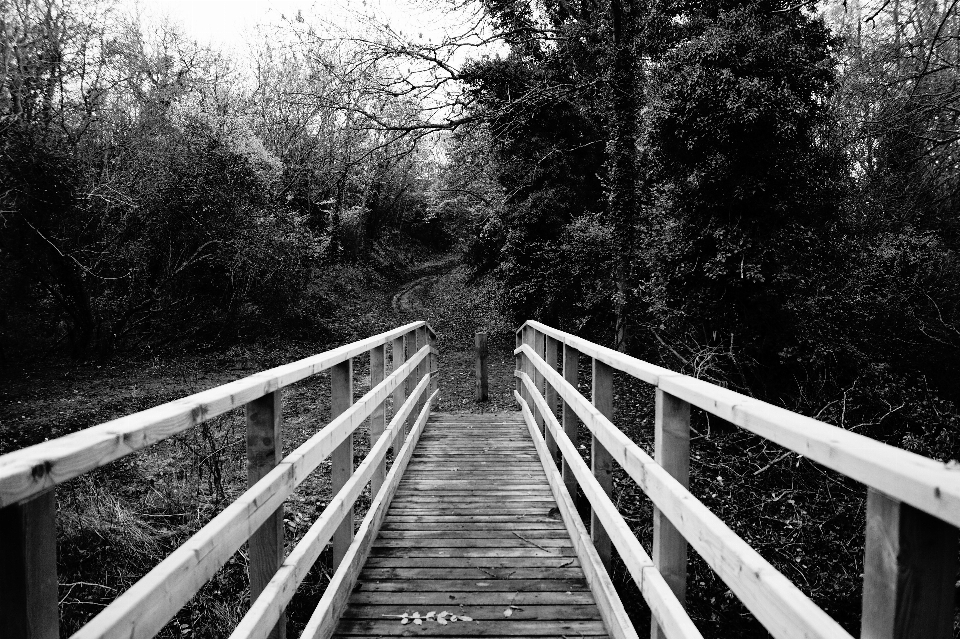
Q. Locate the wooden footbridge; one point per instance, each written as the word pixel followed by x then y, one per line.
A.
pixel 471 531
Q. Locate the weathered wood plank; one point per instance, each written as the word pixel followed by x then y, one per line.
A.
pixel 264 445
pixel 601 462
pixel 472 585
pixel 393 628
pixel 494 612
pixel 28 569
pixel 454 599
pixel 672 452
pixel 378 422
pixel 480 368
pixel 341 461
pixel 910 565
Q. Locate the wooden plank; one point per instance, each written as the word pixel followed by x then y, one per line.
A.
pixel 910 565
pixel 378 371
pixel 422 370
pixel 772 598
pixel 608 601
pixel 282 587
pixel 479 574
pixel 341 461
pixel 434 362
pixel 480 367
pixel 334 600
pixel 601 462
pixel 508 541
pixel 393 628
pixel 33 469
pixel 455 599
pixel 460 552
pixel 539 345
pixel 28 569
pixel 471 562
pixel 494 612
pixel 264 445
pixel 141 611
pixel 578 584
pixel 672 452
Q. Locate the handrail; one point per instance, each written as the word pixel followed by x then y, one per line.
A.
pixel 910 555
pixel 32 470
pixel 141 611
pixel 924 483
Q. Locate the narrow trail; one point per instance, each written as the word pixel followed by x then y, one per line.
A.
pixel 427 274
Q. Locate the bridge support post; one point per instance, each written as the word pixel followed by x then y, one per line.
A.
pixel 378 370
pixel 909 570
pixel 28 569
pixel 398 356
pixel 482 389
pixel 601 462
pixel 672 451
pixel 571 373
pixel 421 336
pixel 539 346
pixel 264 447
pixel 341 461
pixel 526 366
pixel 551 352
pixel 434 363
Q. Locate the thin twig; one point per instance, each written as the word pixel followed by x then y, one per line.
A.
pixel 533 543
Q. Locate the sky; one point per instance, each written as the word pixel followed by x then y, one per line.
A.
pixel 231 24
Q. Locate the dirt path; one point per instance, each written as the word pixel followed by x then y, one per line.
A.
pixel 425 276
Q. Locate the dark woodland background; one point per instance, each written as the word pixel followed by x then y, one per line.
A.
pixel 760 193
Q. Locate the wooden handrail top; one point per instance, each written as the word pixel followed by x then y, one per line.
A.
pixel 924 483
pixel 30 471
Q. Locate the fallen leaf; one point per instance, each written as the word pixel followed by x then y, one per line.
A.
pixel 508 612
pixel 405 620
pixel 465 618
pixel 418 621
pixel 442 621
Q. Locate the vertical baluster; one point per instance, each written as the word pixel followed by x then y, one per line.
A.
pixel 421 337
pixel 571 373
pixel 909 569
pixel 28 569
pixel 539 345
pixel 601 462
pixel 434 364
pixel 264 451
pixel 551 352
pixel 518 362
pixel 378 369
pixel 672 451
pixel 398 356
pixel 482 389
pixel 527 367
pixel 341 461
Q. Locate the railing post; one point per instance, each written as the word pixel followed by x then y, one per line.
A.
pixel 482 389
pixel 398 356
pixel 539 345
pixel 341 461
pixel 527 366
pixel 378 369
pixel 551 352
pixel 434 363
pixel 421 371
pixel 571 373
pixel 672 452
pixel 264 450
pixel 909 570
pixel 518 362
pixel 28 569
pixel 601 462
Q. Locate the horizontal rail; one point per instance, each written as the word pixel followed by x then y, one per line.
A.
pixel 923 483
pixel 141 611
pixel 30 471
pixel 664 606
pixel 265 611
pixel 779 605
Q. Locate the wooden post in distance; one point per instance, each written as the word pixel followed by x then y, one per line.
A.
pixel 398 357
pixel 571 373
pixel 551 354
pixel 482 391
pixel 264 451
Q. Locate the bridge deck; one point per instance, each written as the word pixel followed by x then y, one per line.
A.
pixel 473 530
